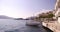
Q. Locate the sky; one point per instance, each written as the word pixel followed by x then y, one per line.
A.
pixel 25 8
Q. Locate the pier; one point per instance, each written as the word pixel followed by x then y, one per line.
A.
pixel 54 26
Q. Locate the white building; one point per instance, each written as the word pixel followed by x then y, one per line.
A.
pixel 57 10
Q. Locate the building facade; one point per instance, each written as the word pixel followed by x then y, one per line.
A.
pixel 57 10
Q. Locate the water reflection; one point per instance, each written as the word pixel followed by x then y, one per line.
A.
pixel 27 29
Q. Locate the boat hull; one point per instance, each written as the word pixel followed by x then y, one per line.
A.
pixel 32 23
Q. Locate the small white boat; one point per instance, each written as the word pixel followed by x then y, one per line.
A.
pixel 32 23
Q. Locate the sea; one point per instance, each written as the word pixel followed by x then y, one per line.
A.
pixel 11 25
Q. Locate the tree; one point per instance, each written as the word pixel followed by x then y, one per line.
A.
pixel 49 15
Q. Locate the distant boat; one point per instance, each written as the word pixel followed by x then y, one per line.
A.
pixel 33 23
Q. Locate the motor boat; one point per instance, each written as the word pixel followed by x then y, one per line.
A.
pixel 33 23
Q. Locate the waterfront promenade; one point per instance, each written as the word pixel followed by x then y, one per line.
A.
pixel 53 25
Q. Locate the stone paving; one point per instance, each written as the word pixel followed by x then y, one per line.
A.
pixel 53 25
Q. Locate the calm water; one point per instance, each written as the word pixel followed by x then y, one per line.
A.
pixel 7 25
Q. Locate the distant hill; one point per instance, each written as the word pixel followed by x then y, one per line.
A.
pixel 19 19
pixel 5 17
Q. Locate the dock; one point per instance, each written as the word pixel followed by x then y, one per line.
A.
pixel 53 25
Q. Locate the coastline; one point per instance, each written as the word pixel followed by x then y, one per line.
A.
pixel 47 29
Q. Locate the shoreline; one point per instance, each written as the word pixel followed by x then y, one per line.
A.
pixel 47 29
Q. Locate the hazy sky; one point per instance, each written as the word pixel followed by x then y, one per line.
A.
pixel 25 8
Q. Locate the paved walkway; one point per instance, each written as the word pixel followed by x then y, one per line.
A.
pixel 53 25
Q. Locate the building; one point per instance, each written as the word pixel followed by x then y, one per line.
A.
pixel 57 10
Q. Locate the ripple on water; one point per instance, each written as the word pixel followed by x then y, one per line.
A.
pixel 18 26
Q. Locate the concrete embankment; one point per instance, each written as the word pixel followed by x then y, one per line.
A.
pixel 54 26
pixel 47 29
